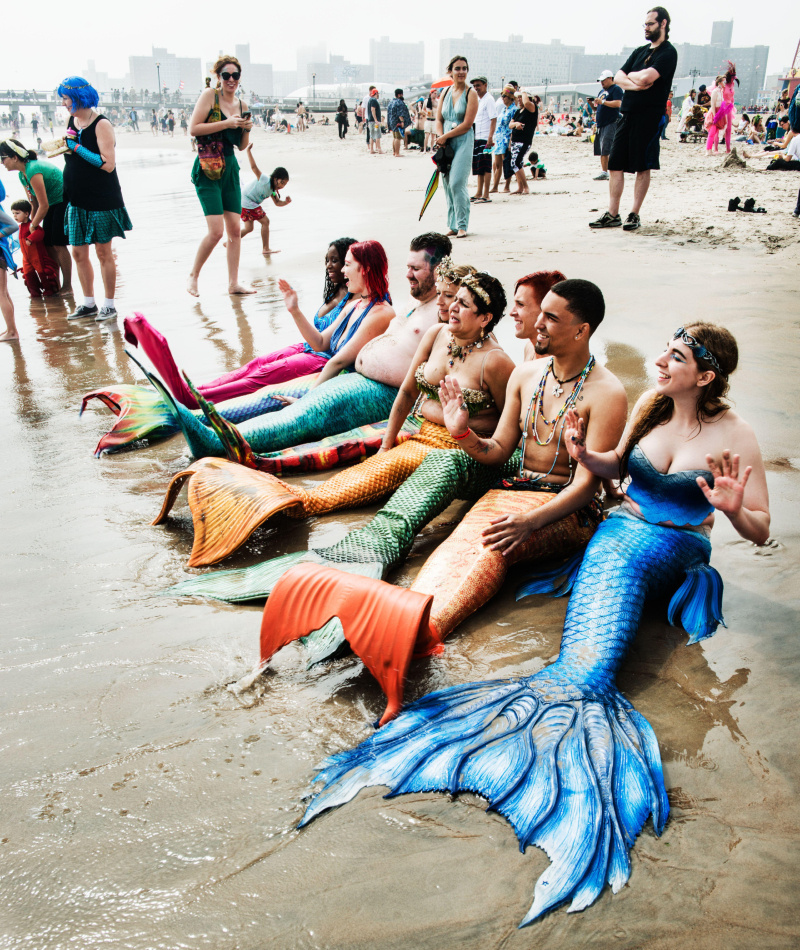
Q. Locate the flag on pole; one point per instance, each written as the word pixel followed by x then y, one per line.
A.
pixel 181 85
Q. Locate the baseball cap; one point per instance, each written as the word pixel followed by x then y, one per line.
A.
pixel 606 74
pixel 482 79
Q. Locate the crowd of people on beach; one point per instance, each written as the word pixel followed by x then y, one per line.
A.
pixel 444 413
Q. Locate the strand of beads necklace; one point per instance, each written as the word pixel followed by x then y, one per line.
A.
pixel 537 403
pixel 458 352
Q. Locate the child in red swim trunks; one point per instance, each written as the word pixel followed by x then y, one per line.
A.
pixel 39 270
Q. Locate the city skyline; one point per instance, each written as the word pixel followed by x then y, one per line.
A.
pixel 349 36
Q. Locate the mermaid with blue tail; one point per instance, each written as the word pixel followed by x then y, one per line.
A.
pixel 562 754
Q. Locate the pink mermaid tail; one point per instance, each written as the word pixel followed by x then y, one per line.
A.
pixel 277 367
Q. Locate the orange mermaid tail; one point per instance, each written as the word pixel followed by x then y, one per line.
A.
pixel 308 596
pixel 462 575
pixel 228 501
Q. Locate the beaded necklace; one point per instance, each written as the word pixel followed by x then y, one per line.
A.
pixel 536 410
pixel 458 351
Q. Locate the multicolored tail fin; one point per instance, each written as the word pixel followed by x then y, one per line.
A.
pixel 141 414
pixel 235 445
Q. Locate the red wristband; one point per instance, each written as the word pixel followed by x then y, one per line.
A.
pixel 458 438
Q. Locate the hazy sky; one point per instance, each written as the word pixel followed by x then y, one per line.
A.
pixel 95 30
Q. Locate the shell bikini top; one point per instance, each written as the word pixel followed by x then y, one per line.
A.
pixel 671 496
pixel 476 399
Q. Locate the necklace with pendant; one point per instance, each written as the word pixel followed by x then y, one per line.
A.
pixel 558 389
pixel 457 351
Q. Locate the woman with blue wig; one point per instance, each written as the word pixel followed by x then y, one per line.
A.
pixel 95 210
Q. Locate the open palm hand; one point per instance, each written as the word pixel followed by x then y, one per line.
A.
pixel 727 495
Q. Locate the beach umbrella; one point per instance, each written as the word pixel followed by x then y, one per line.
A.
pixel 442 83
pixel 433 184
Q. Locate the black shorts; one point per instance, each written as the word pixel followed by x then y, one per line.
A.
pixel 53 226
pixel 481 164
pixel 604 138
pixel 636 146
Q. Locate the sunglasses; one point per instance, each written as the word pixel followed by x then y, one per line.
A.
pixel 226 76
pixel 700 352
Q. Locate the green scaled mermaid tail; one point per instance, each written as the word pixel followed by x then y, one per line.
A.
pixel 351 446
pixel 443 477
pixel 345 401
pixel 145 413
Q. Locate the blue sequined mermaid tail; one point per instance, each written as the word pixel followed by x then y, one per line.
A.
pixel 561 754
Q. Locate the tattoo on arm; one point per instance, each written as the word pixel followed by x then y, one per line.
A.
pixel 486 445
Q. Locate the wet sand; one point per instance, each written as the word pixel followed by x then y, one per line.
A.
pixel 144 805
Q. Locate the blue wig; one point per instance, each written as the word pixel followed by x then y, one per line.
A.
pixel 82 93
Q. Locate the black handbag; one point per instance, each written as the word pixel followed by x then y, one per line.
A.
pixel 443 157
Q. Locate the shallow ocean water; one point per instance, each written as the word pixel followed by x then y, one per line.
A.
pixel 144 805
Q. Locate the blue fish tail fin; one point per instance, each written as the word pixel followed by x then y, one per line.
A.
pixel 544 581
pixel 577 777
pixel 698 603
pixel 202 440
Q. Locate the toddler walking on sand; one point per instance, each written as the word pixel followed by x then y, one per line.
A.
pixel 258 191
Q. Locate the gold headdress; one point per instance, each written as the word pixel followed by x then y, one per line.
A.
pixel 471 283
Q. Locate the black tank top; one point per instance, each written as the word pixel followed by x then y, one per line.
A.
pixel 85 186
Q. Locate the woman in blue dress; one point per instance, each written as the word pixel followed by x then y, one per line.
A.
pixel 455 117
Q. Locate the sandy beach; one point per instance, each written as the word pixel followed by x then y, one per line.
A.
pixel 144 805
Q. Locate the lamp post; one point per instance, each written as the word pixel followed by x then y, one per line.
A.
pixel 546 82
pixel 158 73
pixel 313 85
pixel 694 73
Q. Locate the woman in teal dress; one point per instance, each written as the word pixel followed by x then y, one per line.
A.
pixel 221 113
pixel 455 116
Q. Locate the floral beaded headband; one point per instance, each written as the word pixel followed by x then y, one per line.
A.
pixel 700 352
pixel 471 283
pixel 446 270
pixel 66 85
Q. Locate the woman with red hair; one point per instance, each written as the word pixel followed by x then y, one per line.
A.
pixel 356 311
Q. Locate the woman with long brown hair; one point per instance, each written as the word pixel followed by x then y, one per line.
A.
pixel 221 123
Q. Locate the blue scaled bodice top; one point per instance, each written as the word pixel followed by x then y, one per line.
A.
pixel 673 496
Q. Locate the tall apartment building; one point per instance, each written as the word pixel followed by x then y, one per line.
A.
pixel 396 62
pixel 721 32
pixel 173 70
pixel 256 77
pixel 527 63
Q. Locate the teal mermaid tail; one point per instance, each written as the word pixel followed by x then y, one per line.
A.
pixel 345 401
pixel 443 477
pixel 145 413
pixel 561 754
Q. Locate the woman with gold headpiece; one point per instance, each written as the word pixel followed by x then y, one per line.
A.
pixel 230 501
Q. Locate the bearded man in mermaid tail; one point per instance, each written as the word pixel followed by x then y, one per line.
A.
pixel 562 754
pixel 229 501
pixel 349 400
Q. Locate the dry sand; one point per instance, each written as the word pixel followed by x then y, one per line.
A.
pixel 143 805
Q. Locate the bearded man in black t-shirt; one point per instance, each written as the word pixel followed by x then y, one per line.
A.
pixel 646 80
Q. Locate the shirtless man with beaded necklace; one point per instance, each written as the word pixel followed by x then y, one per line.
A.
pixel 546 509
pixel 539 394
